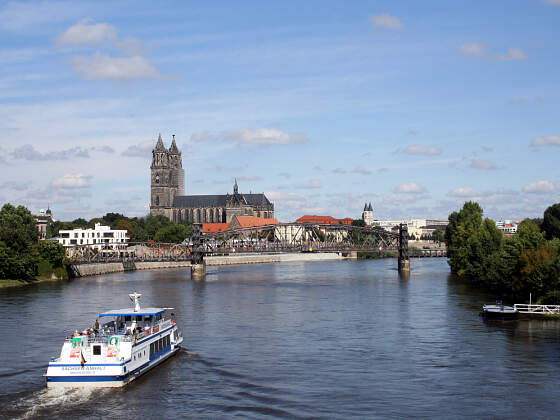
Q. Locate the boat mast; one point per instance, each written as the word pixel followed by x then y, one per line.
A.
pixel 134 297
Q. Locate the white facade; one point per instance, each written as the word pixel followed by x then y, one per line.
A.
pixel 507 226
pixel 101 237
pixel 416 227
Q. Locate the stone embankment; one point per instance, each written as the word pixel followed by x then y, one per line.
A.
pixel 82 270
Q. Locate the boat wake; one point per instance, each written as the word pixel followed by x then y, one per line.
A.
pixel 51 401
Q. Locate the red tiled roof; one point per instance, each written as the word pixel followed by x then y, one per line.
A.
pixel 318 219
pixel 346 221
pixel 251 221
pixel 214 227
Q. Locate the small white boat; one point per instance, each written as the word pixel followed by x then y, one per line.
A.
pixel 128 344
pixel 499 311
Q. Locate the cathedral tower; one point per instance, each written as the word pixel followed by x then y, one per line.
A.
pixel 367 214
pixel 167 178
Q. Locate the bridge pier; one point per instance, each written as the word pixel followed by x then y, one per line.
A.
pixel 198 266
pixel 404 260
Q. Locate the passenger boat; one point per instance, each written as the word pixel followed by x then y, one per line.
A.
pixel 128 344
pixel 499 311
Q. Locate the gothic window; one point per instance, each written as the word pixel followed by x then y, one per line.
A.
pixel 170 177
pixel 197 215
pixel 157 200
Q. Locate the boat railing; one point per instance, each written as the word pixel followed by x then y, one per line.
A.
pixel 537 309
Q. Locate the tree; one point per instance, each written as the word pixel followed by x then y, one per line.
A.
pixel 52 252
pixel 358 222
pixel 18 236
pixel 438 235
pixel 172 234
pixel 551 221
pixel 80 222
pixel 155 223
pixel 18 228
pixel 460 231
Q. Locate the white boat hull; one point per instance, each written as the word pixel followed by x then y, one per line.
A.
pixel 103 379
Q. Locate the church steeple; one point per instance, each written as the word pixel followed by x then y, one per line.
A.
pixel 235 188
pixel 159 144
pixel 173 148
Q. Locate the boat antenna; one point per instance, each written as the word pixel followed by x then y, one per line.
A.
pixel 134 297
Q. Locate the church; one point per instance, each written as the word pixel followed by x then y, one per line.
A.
pixel 168 189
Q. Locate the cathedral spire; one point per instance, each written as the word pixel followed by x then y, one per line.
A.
pixel 173 148
pixel 235 188
pixel 159 144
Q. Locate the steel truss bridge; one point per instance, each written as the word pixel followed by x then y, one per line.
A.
pixel 267 239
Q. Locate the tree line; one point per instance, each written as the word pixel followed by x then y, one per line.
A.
pixel 139 229
pixel 24 257
pixel 512 267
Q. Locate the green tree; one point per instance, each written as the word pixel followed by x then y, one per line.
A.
pixel 460 234
pixel 358 222
pixel 18 238
pixel 551 221
pixel 52 252
pixel 80 223
pixel 438 235
pixel 155 223
pixel 172 234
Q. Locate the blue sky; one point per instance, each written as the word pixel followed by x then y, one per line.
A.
pixel 414 106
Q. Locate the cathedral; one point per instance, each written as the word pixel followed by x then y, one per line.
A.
pixel 168 189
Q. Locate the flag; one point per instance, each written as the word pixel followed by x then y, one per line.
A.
pixel 83 362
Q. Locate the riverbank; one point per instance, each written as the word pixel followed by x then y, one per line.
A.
pixel 84 270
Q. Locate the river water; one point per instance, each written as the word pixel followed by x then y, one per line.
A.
pixel 340 339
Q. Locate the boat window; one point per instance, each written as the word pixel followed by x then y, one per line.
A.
pixel 127 318
pixel 138 317
pixel 97 350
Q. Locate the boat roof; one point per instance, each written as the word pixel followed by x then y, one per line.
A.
pixel 130 311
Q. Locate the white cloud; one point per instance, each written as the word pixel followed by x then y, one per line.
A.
pixel 418 149
pixel 312 184
pixel 471 49
pixel 546 141
pixel 552 2
pixel 103 67
pixel 464 192
pixel 361 171
pixel 83 33
pixel 513 54
pixel 15 16
pixel 519 101
pixel 339 171
pixel 410 188
pixel 482 164
pixel 139 150
pixel 72 181
pixel 385 20
pixel 539 187
pixel 259 136
pixel 249 178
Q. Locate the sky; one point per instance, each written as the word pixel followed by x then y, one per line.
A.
pixel 413 106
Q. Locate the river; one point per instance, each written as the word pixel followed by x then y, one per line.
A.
pixel 340 339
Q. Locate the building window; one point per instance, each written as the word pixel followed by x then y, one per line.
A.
pixel 157 200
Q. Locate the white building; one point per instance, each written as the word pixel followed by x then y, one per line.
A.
pixel 416 227
pixel 101 237
pixel 507 226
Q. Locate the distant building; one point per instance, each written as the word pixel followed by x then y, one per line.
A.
pixel 367 214
pixel 318 220
pixel 416 227
pixel 101 237
pixel 507 227
pixel 43 219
